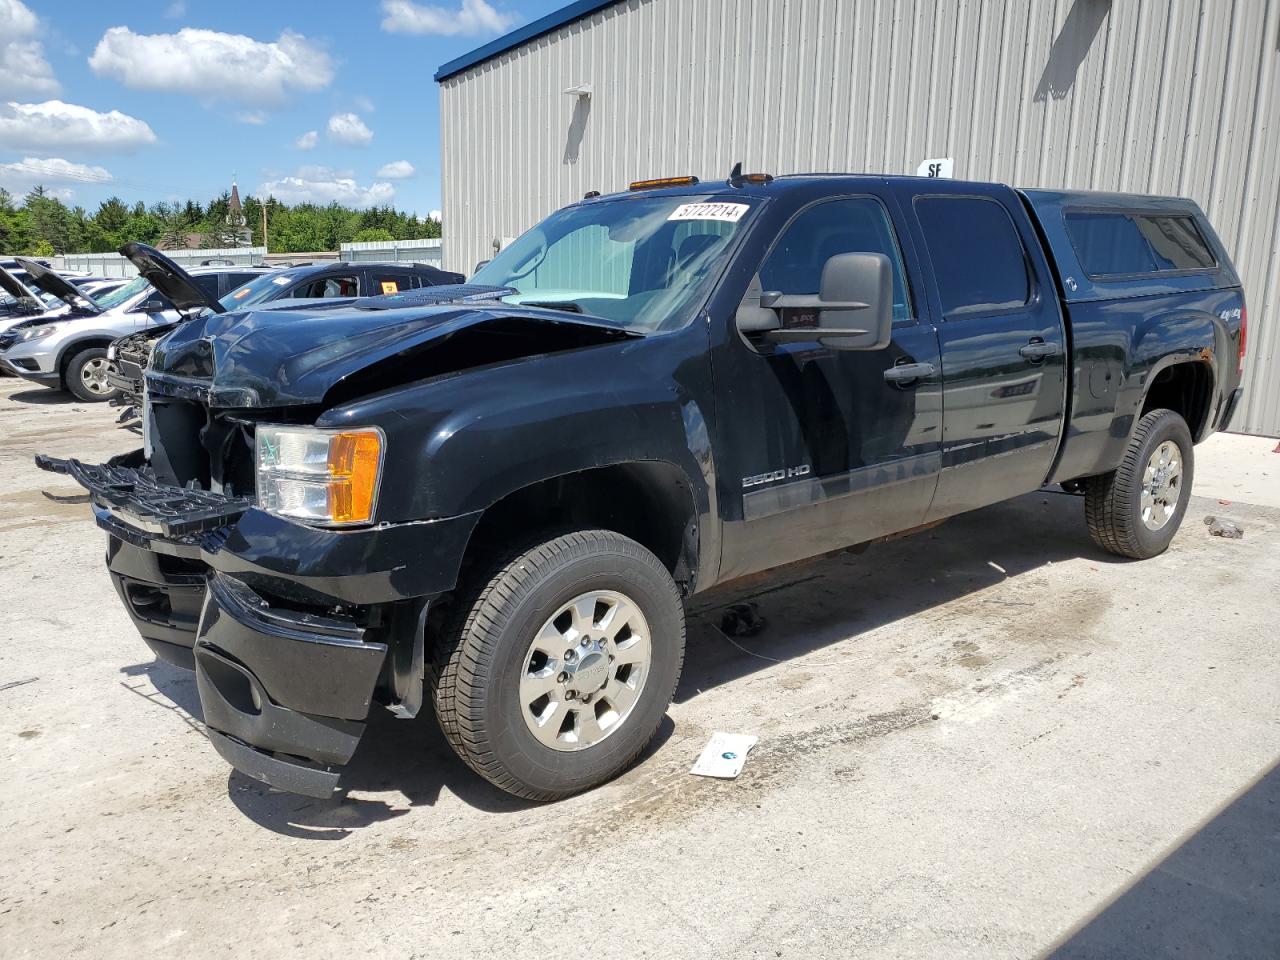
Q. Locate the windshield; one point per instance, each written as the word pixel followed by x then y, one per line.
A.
pixel 122 294
pixel 643 262
pixel 266 287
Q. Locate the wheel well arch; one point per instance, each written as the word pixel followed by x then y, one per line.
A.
pixel 1186 388
pixel 650 501
pixel 71 349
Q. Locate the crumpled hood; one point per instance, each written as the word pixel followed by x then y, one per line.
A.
pixel 301 356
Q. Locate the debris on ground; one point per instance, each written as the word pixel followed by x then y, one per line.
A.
pixel 995 566
pixel 742 620
pixel 1220 527
pixel 724 755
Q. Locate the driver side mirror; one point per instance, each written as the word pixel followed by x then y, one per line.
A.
pixel 852 311
pixel 150 305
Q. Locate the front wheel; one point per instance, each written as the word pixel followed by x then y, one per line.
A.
pixel 87 375
pixel 1135 510
pixel 556 674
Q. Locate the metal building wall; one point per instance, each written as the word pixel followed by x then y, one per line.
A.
pixel 1155 96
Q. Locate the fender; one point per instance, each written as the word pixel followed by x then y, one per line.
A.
pixel 458 444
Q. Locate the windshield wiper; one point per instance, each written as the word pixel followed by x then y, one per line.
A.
pixel 567 305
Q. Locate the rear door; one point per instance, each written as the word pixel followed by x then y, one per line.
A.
pixel 1002 339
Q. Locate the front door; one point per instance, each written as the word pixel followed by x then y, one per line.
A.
pixel 825 448
pixel 1003 346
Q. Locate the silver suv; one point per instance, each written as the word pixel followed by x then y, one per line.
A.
pixel 68 349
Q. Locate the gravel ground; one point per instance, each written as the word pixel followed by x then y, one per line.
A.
pixel 986 740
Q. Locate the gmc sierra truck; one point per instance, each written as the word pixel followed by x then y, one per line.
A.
pixel 493 498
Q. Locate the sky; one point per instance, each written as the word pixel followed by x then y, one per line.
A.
pixel 169 99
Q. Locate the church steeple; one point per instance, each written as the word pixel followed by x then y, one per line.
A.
pixel 235 212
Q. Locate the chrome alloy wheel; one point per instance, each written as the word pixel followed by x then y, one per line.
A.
pixel 583 673
pixel 1161 485
pixel 94 376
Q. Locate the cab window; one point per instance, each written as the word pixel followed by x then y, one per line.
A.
pixel 851 225
pixel 342 286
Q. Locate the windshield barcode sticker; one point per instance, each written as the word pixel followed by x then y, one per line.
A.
pixel 727 212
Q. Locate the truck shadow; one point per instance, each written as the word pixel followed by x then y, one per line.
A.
pixel 810 606
pixel 802 609
pixel 1212 895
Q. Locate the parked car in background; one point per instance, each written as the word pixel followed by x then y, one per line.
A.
pixel 69 350
pixel 19 300
pixel 98 286
pixel 339 279
pixel 322 281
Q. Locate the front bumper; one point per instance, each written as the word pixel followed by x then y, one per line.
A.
pixel 287 627
pixel 29 369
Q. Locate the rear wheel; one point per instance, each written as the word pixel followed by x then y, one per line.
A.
pixel 557 672
pixel 86 375
pixel 1135 510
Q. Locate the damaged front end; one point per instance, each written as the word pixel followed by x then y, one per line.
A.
pixel 295 624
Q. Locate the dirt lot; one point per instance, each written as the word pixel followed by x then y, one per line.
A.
pixel 988 740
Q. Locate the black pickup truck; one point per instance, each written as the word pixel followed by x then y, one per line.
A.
pixel 495 496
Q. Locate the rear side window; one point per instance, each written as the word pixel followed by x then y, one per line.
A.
pixel 1118 244
pixel 390 281
pixel 208 284
pixel 977 256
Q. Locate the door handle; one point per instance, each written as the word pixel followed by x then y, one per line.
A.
pixel 906 372
pixel 1038 350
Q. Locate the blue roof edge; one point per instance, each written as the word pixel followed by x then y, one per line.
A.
pixel 552 21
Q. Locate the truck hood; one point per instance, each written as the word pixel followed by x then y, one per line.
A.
pixel 321 355
pixel 50 282
pixel 169 278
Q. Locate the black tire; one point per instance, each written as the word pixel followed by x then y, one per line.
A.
pixel 1113 501
pixel 76 378
pixel 483 652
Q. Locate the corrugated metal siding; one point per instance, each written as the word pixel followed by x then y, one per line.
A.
pixel 114 265
pixel 382 251
pixel 1173 97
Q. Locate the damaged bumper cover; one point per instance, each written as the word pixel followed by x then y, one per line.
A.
pixel 285 625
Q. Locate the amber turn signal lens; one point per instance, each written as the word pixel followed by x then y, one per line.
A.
pixel 354 461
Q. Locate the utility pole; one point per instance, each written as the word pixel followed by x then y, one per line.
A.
pixel 264 227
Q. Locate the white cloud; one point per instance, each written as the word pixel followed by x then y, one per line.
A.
pixel 363 104
pixel 396 170
pixel 212 65
pixel 435 215
pixel 349 129
pixel 308 140
pixel 471 18
pixel 68 126
pixel 255 118
pixel 23 68
pixel 176 10
pixel 21 176
pixel 324 186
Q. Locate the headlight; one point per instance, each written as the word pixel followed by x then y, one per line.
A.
pixel 35 333
pixel 328 477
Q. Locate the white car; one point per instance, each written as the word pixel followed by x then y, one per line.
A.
pixel 68 349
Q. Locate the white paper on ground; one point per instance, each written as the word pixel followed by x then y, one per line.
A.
pixel 724 755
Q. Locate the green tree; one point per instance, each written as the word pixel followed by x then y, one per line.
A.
pixel 371 234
